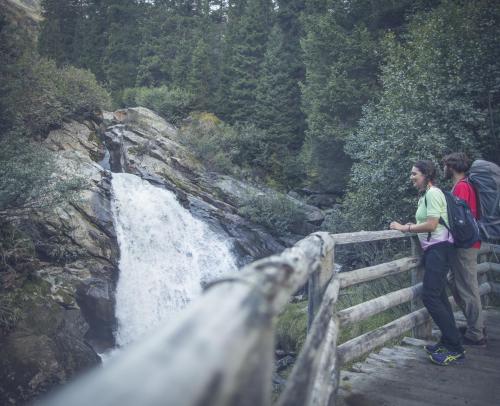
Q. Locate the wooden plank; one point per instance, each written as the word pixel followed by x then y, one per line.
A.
pixel 416 342
pixel 367 236
pixel 369 308
pixel 359 346
pixel 321 339
pixel 377 271
pixel 423 330
pixel 495 288
pixel 488 266
pixel 407 374
pixel 487 248
pixel 326 383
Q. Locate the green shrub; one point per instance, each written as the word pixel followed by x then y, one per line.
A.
pixel 9 313
pixel 82 94
pixel 239 150
pixel 174 104
pixel 28 176
pixel 46 95
pixel 273 210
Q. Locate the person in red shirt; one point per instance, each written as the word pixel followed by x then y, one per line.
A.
pixel 463 275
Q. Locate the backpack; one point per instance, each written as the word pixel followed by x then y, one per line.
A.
pixel 485 177
pixel 462 224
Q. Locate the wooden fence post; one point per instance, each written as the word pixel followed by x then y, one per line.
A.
pixel 483 277
pixel 424 330
pixel 318 280
pixel 313 296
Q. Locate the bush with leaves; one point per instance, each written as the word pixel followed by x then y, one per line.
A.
pixel 45 95
pixel 174 104
pixel 237 150
pixel 274 210
pixel 30 177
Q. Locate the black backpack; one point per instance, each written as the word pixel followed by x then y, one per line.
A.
pixel 485 177
pixel 462 224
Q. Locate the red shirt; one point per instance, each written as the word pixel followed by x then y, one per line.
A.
pixel 466 192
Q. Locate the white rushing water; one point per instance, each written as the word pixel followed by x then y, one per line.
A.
pixel 164 255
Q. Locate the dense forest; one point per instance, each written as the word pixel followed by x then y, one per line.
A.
pixel 332 96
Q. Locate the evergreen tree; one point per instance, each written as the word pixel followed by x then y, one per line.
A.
pixel 278 109
pixel 201 74
pixel 123 39
pixel 248 53
pixel 92 37
pixel 58 30
pixel 342 58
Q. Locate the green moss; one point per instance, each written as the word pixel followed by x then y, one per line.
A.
pixel 93 137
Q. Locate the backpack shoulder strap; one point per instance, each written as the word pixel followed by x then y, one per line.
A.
pixel 441 221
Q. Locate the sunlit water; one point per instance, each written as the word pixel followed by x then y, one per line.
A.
pixel 165 254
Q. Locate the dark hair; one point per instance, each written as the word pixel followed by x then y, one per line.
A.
pixel 427 168
pixel 457 161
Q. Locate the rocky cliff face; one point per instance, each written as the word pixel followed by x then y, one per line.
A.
pixel 143 143
pixel 61 296
pixel 58 302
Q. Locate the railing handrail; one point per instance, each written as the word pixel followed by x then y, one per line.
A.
pixel 219 351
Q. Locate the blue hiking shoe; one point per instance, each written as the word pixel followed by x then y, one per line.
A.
pixel 446 357
pixel 431 349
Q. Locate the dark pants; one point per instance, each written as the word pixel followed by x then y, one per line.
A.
pixel 436 263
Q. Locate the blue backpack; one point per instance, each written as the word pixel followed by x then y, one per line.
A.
pixel 462 224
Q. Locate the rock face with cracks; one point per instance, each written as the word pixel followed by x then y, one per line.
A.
pixel 63 296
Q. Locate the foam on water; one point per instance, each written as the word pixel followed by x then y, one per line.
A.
pixel 165 254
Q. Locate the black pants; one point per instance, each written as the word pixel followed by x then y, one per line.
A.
pixel 436 263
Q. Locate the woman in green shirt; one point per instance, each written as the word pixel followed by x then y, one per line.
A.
pixel 437 244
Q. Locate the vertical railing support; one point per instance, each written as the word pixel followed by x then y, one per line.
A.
pixel 423 331
pixel 318 281
pixel 484 277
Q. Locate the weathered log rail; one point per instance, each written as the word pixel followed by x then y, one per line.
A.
pixel 220 350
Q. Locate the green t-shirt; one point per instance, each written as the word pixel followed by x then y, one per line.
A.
pixel 436 207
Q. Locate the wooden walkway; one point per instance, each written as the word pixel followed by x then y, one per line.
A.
pixel 404 376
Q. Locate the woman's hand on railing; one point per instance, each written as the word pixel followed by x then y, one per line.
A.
pixel 406 228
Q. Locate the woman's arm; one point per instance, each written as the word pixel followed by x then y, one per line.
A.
pixel 426 227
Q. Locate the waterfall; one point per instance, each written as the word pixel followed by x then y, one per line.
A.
pixel 165 254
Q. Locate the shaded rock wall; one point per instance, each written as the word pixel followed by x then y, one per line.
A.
pixel 63 296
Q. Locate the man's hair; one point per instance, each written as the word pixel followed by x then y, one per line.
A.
pixel 457 161
pixel 427 168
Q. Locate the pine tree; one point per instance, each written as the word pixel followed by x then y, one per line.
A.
pixel 201 74
pixel 58 30
pixel 123 39
pixel 278 109
pixel 91 37
pixel 248 44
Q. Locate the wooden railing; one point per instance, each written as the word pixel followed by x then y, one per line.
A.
pixel 220 351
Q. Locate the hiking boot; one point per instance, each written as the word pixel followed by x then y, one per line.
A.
pixel 476 343
pixel 481 343
pixel 446 357
pixel 431 349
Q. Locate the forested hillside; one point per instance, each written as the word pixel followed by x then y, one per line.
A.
pixel 330 98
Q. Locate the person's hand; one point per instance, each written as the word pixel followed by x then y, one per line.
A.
pixel 396 226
